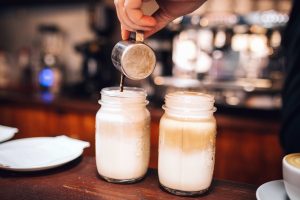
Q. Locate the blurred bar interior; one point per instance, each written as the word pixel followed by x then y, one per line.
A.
pixel 229 48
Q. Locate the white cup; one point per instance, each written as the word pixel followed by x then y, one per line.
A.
pixel 291 175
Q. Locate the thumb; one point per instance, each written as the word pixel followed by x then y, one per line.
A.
pixel 124 33
pixel 162 20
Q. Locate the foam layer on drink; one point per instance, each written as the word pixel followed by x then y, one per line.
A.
pixel 191 101
pixel 294 159
pixel 186 153
pixel 130 95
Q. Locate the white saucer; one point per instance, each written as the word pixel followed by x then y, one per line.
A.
pixel 39 153
pixel 273 190
pixel 7 133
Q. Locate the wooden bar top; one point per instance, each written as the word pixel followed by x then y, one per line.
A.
pixel 79 180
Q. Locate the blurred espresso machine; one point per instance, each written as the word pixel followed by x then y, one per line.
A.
pixel 97 69
pixel 236 58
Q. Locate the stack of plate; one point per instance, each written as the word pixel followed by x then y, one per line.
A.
pixel 39 153
pixel 7 133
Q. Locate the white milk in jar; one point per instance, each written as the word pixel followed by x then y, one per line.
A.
pixel 122 135
pixel 187 135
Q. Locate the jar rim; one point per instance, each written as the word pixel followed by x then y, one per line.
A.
pixel 189 96
pixel 187 101
pixel 128 92
pixel 130 95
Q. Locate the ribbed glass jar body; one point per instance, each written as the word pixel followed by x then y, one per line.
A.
pixel 187 135
pixel 122 135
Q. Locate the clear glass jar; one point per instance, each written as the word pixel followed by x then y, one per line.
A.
pixel 122 135
pixel 187 135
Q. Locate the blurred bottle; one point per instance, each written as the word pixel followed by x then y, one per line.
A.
pixel 4 70
pixel 26 74
pixel 97 70
pixel 225 59
pixel 101 18
pixel 50 75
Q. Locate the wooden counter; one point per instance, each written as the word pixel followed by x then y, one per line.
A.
pixel 79 180
pixel 247 147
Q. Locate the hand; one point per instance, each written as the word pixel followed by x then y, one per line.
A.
pixel 132 18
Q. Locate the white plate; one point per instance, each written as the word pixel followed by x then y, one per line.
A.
pixel 39 153
pixel 273 190
pixel 7 133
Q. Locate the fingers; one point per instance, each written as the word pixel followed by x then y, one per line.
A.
pixel 137 16
pixel 126 23
pixel 171 9
pixel 133 9
pixel 162 19
pixel 132 18
pixel 124 33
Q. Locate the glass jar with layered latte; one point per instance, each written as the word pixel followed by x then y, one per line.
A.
pixel 187 135
pixel 122 135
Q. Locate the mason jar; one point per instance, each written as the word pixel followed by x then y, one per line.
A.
pixel 187 135
pixel 122 135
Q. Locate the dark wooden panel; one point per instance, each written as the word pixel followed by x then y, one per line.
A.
pixel 37 122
